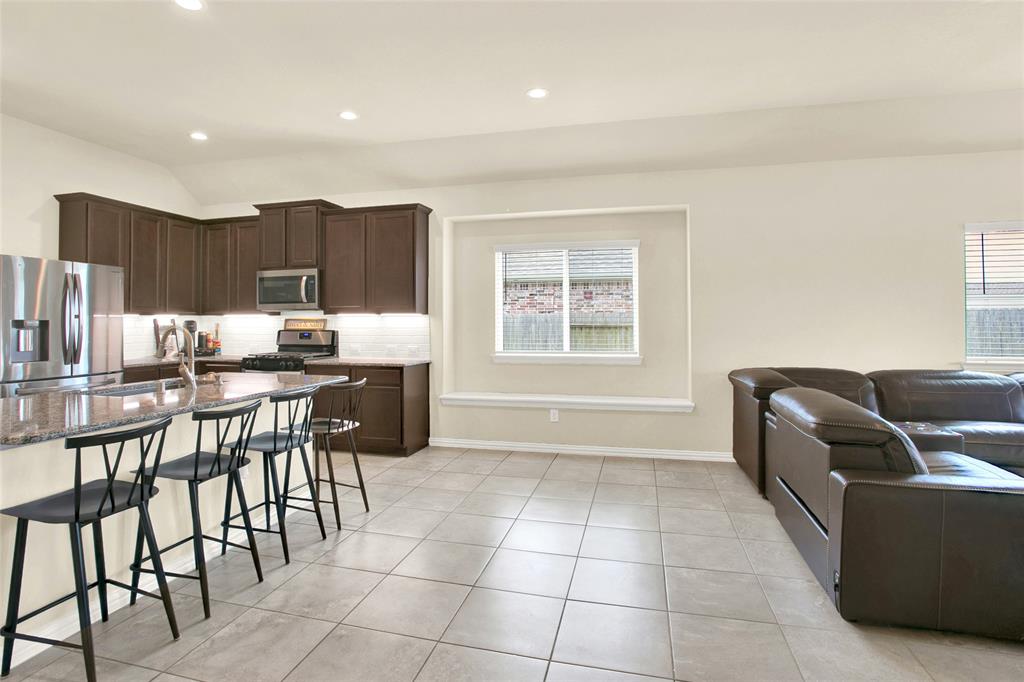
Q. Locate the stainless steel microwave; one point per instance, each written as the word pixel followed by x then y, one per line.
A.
pixel 279 290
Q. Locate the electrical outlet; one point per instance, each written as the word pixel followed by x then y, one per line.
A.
pixel 553 415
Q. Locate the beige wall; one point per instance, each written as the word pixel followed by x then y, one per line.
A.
pixel 36 163
pixel 854 264
pixel 662 299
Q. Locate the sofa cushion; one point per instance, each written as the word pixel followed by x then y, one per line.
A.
pixel 844 383
pixel 955 464
pixel 933 395
pixel 1000 443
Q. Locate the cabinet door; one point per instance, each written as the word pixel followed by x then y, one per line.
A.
pixel 205 366
pixel 380 414
pixel 142 373
pixel 246 261
pixel 182 267
pixel 391 262
pixel 106 234
pixel 343 289
pixel 272 238
pixel 147 263
pixel 303 245
pixel 217 269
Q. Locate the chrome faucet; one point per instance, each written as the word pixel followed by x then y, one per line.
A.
pixel 186 370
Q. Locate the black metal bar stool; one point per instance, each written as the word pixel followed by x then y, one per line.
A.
pixel 201 466
pixel 87 504
pixel 342 410
pixel 296 407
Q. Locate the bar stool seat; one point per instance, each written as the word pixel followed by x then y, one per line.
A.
pixel 211 465
pixel 60 507
pixel 269 441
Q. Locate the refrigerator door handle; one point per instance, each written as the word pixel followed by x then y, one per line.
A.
pixel 65 316
pixel 79 305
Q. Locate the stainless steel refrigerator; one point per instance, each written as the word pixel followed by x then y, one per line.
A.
pixel 61 325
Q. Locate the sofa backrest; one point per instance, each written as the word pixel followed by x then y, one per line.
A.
pixel 927 395
pixel 853 386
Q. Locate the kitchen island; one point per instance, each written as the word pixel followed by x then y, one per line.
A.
pixel 34 463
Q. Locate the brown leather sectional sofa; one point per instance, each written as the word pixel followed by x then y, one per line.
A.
pixel 901 489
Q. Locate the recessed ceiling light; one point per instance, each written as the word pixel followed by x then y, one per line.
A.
pixel 536 93
pixel 349 115
pixel 198 135
pixel 191 5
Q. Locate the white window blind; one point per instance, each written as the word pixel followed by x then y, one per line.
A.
pixel 994 276
pixel 578 299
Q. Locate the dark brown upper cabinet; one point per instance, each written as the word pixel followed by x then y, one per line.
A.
pixel 182 269
pixel 93 230
pixel 147 267
pixel 245 260
pixel 217 268
pixel 343 283
pixel 375 260
pixel 290 233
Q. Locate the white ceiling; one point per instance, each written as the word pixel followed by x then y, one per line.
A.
pixel 269 78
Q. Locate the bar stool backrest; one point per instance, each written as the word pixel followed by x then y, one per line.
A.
pixel 344 404
pixel 141 489
pixel 243 417
pixel 297 407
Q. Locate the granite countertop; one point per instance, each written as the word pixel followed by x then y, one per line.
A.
pixel 173 360
pixel 360 361
pixel 48 416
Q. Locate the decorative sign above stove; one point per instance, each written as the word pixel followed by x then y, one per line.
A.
pixel 305 323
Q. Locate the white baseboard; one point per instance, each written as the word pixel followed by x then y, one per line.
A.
pixel 118 598
pixel 596 450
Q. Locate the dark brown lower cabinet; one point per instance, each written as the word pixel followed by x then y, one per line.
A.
pixel 394 416
pixel 150 373
pixel 204 366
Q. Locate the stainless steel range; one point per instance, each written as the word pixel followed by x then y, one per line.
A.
pixel 294 347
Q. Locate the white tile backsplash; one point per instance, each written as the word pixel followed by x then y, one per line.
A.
pixel 397 336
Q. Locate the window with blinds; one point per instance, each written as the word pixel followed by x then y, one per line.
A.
pixel 577 299
pixel 994 276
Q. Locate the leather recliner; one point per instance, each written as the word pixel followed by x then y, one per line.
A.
pixel 895 535
pixel 986 409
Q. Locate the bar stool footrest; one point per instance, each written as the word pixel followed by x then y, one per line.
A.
pixel 4 632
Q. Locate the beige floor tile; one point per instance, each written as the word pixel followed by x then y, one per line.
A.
pixel 541 536
pixel 472 529
pixel 619 582
pixel 717 593
pixel 530 572
pixel 401 476
pixel 563 471
pixel 696 522
pixel 620 544
pixel 724 649
pixel 690 498
pixel 852 654
pixel 409 606
pixel 758 527
pixel 489 504
pixel 615 637
pixel 508 485
pixel 780 559
pixel 413 523
pixel 680 465
pixel 563 672
pixel 559 511
pixel 232 578
pixel 447 561
pixel 685 479
pixel 509 622
pixel 627 476
pixel 258 646
pixel 951 663
pixel 322 591
pixel 639 463
pixel 626 494
pixel 446 480
pixel 304 540
pixel 370 552
pixel 379 494
pixel 702 551
pixel 450 663
pixel 471 465
pixel 565 490
pixel 70 668
pixel 352 654
pixel 522 469
pixel 629 516
pixel 803 603
pixel 431 499
pixel 744 503
pixel 495 455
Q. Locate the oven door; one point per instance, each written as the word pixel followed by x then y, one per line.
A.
pixel 279 290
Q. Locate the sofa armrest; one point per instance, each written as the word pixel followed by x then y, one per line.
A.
pixel 928 551
pixel 837 421
pixel 759 382
pixel 928 437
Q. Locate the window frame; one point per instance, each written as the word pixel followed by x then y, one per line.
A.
pixel 564 356
pixel 986 363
